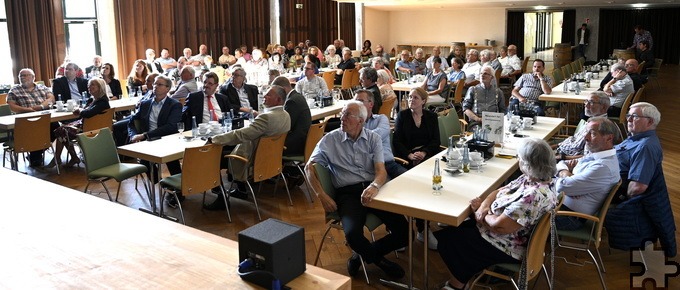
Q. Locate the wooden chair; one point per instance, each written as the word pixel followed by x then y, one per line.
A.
pixel 329 77
pixel 200 173
pixel 3 99
pixel 4 134
pixel 355 79
pixel 123 85
pixel 102 162
pixel 387 107
pixel 313 136
pixel 333 220
pixel 589 234
pixel 621 119
pixel 640 67
pixel 103 120
pixel 525 63
pixel 567 71
pixel 347 76
pixel 458 93
pixel 267 163
pixel 581 62
pixel 533 260
pixel 638 95
pixel 30 134
pixel 498 77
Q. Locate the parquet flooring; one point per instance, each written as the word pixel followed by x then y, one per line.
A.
pixel 334 253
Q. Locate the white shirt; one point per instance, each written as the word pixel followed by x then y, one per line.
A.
pixel 471 71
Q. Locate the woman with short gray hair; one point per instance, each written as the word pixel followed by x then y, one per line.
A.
pixel 504 220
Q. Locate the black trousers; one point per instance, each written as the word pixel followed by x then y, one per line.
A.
pixel 353 216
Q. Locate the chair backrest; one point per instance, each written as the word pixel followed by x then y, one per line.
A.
pixel 536 247
pixel 641 66
pixel 103 120
pixel 4 110
pixel 314 134
pixel 638 95
pixel 569 69
pixel 387 106
pixel 525 63
pixel 268 157
pixel 574 67
pixel 347 76
pixel 557 76
pixel 581 62
pixel 323 174
pixel 449 125
pixel 3 99
pixel 603 213
pixel 329 77
pixel 458 93
pixel 32 133
pixel 625 107
pixel 98 148
pixel 355 79
pixel 201 168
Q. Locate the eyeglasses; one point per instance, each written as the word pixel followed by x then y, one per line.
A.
pixel 589 102
pixel 635 116
pixel 345 115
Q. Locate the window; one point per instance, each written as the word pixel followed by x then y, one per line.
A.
pixel 6 74
pixel 82 33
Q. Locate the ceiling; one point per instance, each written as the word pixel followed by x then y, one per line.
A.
pixel 405 5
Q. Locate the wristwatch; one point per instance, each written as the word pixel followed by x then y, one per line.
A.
pixel 375 184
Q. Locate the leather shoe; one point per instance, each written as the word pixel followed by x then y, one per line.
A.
pixel 238 194
pixel 392 269
pixel 353 265
pixel 218 204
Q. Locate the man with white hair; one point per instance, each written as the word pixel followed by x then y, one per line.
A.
pixel 510 63
pixel 618 88
pixel 472 68
pixel 187 84
pixel 642 210
pixel 95 70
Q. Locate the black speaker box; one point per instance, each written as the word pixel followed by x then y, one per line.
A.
pixel 273 246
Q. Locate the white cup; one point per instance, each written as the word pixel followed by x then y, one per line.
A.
pixel 70 105
pixel 60 106
pixel 310 103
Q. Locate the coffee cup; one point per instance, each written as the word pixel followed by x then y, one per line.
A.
pixel 70 105
pixel 60 106
pixel 310 103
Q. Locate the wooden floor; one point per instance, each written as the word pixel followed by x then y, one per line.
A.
pixel 335 254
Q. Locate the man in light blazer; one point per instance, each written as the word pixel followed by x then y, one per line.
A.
pixel 274 121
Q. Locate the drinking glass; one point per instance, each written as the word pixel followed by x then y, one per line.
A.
pixel 180 129
pixel 477 159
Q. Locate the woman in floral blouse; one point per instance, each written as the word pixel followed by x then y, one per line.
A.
pixel 503 221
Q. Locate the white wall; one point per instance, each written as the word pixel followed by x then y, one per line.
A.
pixel 435 26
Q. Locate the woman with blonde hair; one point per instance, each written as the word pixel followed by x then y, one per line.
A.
pixel 65 133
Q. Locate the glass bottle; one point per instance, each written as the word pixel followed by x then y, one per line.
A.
pixel 466 158
pixel 436 178
pixel 194 127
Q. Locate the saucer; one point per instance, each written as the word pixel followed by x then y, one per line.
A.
pixel 452 170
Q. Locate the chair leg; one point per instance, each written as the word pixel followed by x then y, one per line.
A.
pixel 308 194
pixel 106 189
pixel 179 204
pixel 323 239
pixel 290 200
pixel 257 208
pixel 224 196
pixel 118 190
pixel 599 270
pixel 363 266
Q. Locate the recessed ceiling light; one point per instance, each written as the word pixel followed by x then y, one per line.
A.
pixel 541 7
pixel 640 5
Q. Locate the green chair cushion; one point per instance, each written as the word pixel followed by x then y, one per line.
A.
pixel 118 171
pixel 174 181
pixel 583 233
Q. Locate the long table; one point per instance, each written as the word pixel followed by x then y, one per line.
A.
pixel 410 194
pixel 404 86
pixel 68 239
pixel 7 122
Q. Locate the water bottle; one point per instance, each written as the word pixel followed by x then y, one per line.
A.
pixel 466 158
pixel 565 87
pixel 194 127
pixel 227 122
pixel 59 98
pixel 83 99
pixel 578 88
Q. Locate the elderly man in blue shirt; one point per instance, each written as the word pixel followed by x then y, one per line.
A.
pixel 356 162
pixel 587 181
pixel 403 65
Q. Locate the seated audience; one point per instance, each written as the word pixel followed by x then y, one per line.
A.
pixel 644 211
pixel 416 130
pixel 379 65
pixel 586 181
pixel 187 84
pixel 67 132
pixel 358 171
pixel 436 54
pixel 151 64
pixel 573 147
pixel 332 58
pixel 530 86
pixel 311 86
pixel 503 221
pixel 366 50
pixel 368 77
pixel 300 118
pixel 137 78
pixel 70 86
pixel 403 65
pixel 420 62
pixel 456 72
pixel 436 83
pixel 346 63
pixel 95 70
pixel 386 91
pixel 472 68
pixel 113 89
pixel 484 97
pixel 618 88
pixel 644 53
pixel 240 94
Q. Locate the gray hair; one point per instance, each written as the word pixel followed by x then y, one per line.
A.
pixel 167 80
pixel 102 86
pixel 648 110
pixel 279 91
pixel 282 82
pixel 419 50
pixel 383 76
pixel 368 93
pixel 378 59
pixel 190 69
pixel 537 159
pixel 603 98
pixel 474 51
pixel 363 112
pixel 492 71
pixel 617 66
pixel 240 71
pixel 607 127
pixel 484 53
pixel 370 74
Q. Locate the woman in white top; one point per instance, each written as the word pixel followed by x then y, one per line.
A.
pixel 332 58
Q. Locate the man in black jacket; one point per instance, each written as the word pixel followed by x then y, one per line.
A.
pixel 300 118
pixel 69 86
pixel 240 94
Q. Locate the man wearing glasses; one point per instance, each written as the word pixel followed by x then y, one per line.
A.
pixel 642 211
pixel 355 157
pixel 595 105
pixel 311 85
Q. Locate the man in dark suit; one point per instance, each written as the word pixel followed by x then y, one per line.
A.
pixel 582 36
pixel 240 94
pixel 300 118
pixel 155 118
pixel 69 86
